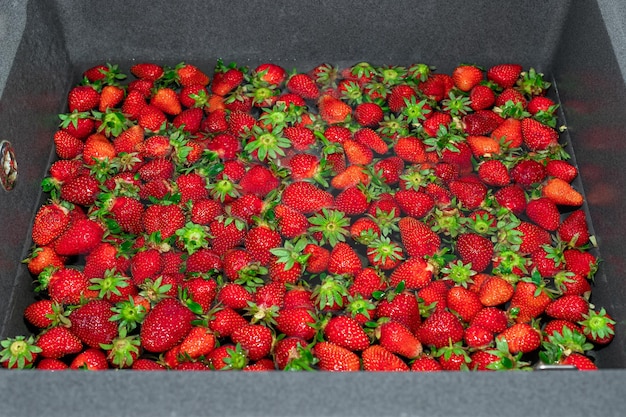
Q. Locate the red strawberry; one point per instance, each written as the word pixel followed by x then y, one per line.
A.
pixel 532 237
pixel 50 221
pixel 42 313
pixel 92 323
pixel 475 249
pixel 81 190
pixel 481 97
pixel 574 230
pixel 415 272
pixel 491 318
pixel 495 291
pixel 581 362
pixel 418 239
pixel 304 86
pixel 400 93
pixel 568 307
pixel 580 262
pixel 398 339
pixel 464 302
pixel 346 332
pixel 413 203
pixel 335 358
pixel 226 81
pixel 528 302
pixel 58 342
pixel 561 169
pixel 110 97
pixel 509 132
pixel 259 241
pixel 470 194
pixel 521 337
pixel 68 286
pixel 306 197
pixel 440 329
pixel 481 122
pixel 511 95
pixel 494 173
pixel 297 322
pixel 537 136
pixel 344 260
pixel 426 364
pixel 189 74
pixel 91 359
pixel 255 339
pixel 505 75
pixel 147 71
pixel 332 110
pixel 368 114
pixel 80 237
pixel 477 337
pixel 83 98
pixel 562 193
pixel 377 358
pixel 67 146
pixel 165 325
pixel 151 118
pixel 544 213
pixel 225 321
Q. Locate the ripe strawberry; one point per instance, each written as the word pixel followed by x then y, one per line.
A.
pixel 377 358
pixel 98 148
pixel 80 237
pixel 297 322
pixel 190 74
pixel 189 120
pixel 437 86
pixel 346 332
pixel 481 97
pixel 426 363
pixel 302 138
pixel 357 153
pixel 528 302
pixel 581 362
pixel 306 197
pixel 48 364
pixel 259 241
pixel 399 340
pixel 418 239
pixel 598 327
pixel 471 194
pixel 344 260
pixel 544 213
pixel 372 140
pixel 398 95
pixel 481 122
pixel 495 291
pixel 494 173
pixel 92 323
pixel 303 85
pixel 491 318
pixel 147 71
pixel 166 100
pixel 110 97
pixel 475 249
pixel 68 286
pixel 255 339
pixel 91 359
pixel 505 75
pixel 203 261
pixel 414 203
pixel 291 223
pixel 574 230
pixel 568 307
pixel 335 358
pixel 83 98
pixel 151 118
pixel 58 342
pixel 580 262
pixel 521 337
pixel 332 110
pixel 463 302
pixel 67 146
pixel 50 221
pixel 165 325
pixel 509 132
pixel 200 341
pixel 226 81
pixel 353 175
pixel 561 169
pixel 42 313
pixel 477 337
pixel 537 136
pixel 511 95
pixel 368 114
pixel 133 104
pixel 258 180
pixel 532 237
pixel 235 296
pixel 415 272
pixel 440 329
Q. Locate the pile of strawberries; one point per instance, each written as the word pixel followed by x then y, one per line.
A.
pixel 363 218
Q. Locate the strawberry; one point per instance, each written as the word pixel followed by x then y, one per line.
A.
pixel 200 341
pixel 398 95
pixel 368 114
pixel 418 239
pixel 259 241
pixel 574 230
pixel 491 318
pixel 92 323
pixel 271 73
pixel 147 71
pixel 537 136
pixel 83 98
pixel 477 337
pixel 372 140
pixel 357 153
pixel 377 358
pixel 562 193
pixel 470 194
pixel 505 75
pixel 511 95
pixel 48 364
pixel 354 174
pixel 481 97
pixel 255 339
pixel 528 302
pixel 306 197
pixel 509 132
pixel 494 173
pixel 481 122
pixel 165 325
pixel 50 221
pixel 67 146
pixel 110 97
pixel 598 327
pixel 332 110
pixel 463 302
pixel 344 260
pixel 568 307
pixel 91 359
pixel 437 86
pixel 190 74
pixel 415 272
pixel 226 81
pixel 561 169
pixel 483 146
pixel 544 213
pixel 465 77
pixel 166 100
pixel 98 148
pixel 134 104
pixel 495 291
pixel 151 118
pixel 190 120
pixel 68 286
pixel 297 322
pixel 42 313
pixel 303 85
pixel 291 223
pixel 346 332
pixel 399 340
pixel 435 122
pixel 521 337
pixel 579 361
pixel 532 237
pixel 80 237
pixel 581 263
pixel 441 328
pixel 58 342
pixel 475 249
pixel 414 203
pixel 335 358
pixel 426 363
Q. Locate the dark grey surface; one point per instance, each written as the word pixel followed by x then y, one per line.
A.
pixel 579 43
